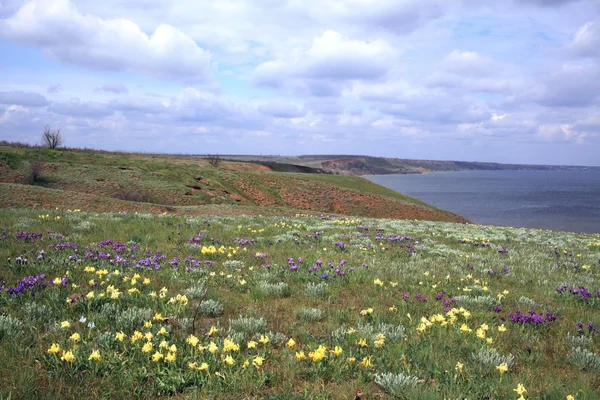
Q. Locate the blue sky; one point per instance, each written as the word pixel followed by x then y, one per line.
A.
pixel 506 81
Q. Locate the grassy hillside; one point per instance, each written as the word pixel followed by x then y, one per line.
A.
pixel 103 181
pixel 187 307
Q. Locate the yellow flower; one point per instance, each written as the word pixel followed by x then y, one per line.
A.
pixel 393 309
pixel 203 367
pixel 229 345
pixel 378 282
pixel 67 356
pixel 245 364
pixel 229 360
pixel 163 344
pixel 95 356
pixel 146 281
pixel 291 343
pixel 173 349
pixel 337 351
pixel 162 331
pixel 502 368
pixel 65 324
pixel 502 328
pixel 158 317
pixel 213 330
pixel 54 349
pixel 362 342
pixel 264 339
pixel 75 337
pixel 393 284
pixel 366 362
pixel 520 389
pixel 213 348
pixel 192 340
pixel 570 397
pixel 120 336
pixel 367 311
pixel 193 365
pixel 251 344
pixel 148 336
pixel 147 347
pixel 465 328
pixel 171 357
pixel 258 361
pixel 318 354
pixel 148 324
pixel 459 367
pixel 90 295
pixel 156 357
pixel 351 360
pixel 137 335
pixel 300 355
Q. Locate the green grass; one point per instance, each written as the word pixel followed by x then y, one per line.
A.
pixel 414 348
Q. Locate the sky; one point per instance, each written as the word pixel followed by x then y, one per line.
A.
pixel 514 81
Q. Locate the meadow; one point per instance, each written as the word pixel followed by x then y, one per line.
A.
pixel 122 305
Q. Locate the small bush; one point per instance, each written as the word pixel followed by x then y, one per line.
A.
pixel 396 385
pixel 318 290
pixel 311 314
pixel 211 308
pixel 133 318
pixel 248 325
pixel 9 327
pixel 585 359
pixel 280 289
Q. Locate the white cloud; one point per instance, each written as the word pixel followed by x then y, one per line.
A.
pixel 280 109
pixel 23 99
pixel 332 60
pixel 66 34
pixel 587 40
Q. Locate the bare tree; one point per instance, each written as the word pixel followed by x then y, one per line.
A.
pixel 214 160
pixel 52 139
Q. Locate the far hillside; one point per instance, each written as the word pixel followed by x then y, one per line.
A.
pixel 105 181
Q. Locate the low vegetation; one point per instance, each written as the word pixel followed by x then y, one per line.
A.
pixel 102 181
pixel 114 305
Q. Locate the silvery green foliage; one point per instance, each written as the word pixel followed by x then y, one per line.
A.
pixel 311 314
pixel 234 264
pixel 339 334
pixel 527 301
pixel 396 385
pixel 584 342
pixel 36 313
pixel 84 226
pixel 197 291
pixel 320 289
pixel 487 359
pixel 277 338
pixel 361 242
pixel 9 327
pixel 237 337
pixel 110 311
pixel 483 301
pixel 105 340
pixel 248 325
pixel 390 331
pixel 132 318
pixel 280 289
pixel 186 323
pixel 585 359
pixel 211 308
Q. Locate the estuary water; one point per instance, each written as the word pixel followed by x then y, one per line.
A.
pixel 557 200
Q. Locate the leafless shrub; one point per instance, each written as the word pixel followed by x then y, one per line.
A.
pixel 214 159
pixel 33 174
pixel 52 139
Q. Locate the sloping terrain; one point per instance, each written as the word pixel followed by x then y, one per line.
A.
pixel 102 181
